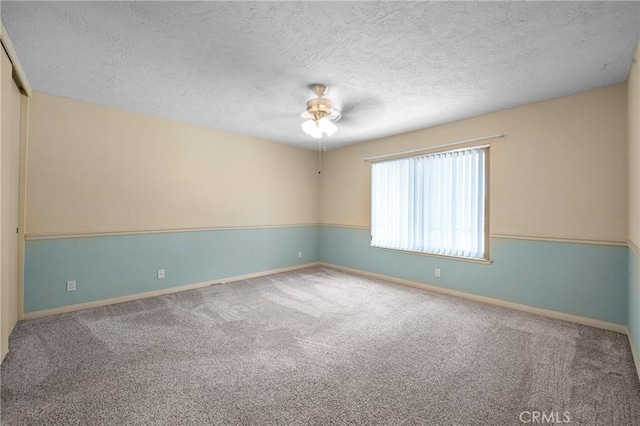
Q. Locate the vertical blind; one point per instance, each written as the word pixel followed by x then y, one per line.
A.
pixel 431 203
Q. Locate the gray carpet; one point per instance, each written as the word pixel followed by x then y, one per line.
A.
pixel 317 347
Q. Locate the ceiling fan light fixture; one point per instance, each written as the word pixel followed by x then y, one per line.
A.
pixel 321 114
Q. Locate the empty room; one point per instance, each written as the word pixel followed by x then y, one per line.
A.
pixel 319 213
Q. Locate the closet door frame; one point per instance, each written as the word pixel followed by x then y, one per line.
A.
pixel 18 78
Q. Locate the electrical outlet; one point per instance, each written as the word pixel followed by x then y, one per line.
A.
pixel 299 255
pixel 161 274
pixel 71 285
pixel 437 273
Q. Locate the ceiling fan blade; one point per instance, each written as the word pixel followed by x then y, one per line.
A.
pixel 363 112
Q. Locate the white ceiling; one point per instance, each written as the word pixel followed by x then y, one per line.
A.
pixel 245 67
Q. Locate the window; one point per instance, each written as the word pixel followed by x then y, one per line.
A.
pixel 435 203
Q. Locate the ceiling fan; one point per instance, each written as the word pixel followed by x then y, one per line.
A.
pixel 320 114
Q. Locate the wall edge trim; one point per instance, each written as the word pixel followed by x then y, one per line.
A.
pixel 56 236
pixel 591 322
pixel 162 292
pixel 337 225
pixel 617 243
pixel 22 199
pixel 634 248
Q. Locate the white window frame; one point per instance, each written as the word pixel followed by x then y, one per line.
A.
pixel 413 215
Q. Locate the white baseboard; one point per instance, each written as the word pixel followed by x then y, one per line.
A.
pixel 121 299
pixel 503 303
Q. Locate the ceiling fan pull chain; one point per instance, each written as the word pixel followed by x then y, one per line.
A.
pixel 319 156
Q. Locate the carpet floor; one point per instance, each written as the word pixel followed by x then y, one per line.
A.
pixel 315 347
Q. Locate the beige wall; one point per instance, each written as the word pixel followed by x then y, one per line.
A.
pixel 634 150
pixel 95 169
pixel 561 170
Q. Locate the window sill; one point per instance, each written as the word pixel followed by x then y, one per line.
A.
pixel 441 256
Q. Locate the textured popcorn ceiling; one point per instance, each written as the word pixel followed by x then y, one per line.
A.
pixel 245 67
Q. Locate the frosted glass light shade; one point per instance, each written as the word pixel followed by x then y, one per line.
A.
pixel 327 126
pixel 309 127
pixel 315 130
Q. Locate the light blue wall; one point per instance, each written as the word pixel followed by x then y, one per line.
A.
pixel 578 279
pixel 585 280
pixel 634 299
pixel 112 266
